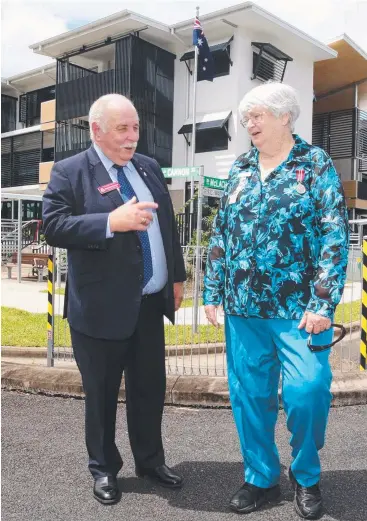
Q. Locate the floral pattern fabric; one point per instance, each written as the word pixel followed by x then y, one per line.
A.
pixel 279 247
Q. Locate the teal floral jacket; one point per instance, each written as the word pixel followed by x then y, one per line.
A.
pixel 279 247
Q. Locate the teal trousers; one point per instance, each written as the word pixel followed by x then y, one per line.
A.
pixel 258 351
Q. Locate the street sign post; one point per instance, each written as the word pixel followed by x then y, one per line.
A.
pixel 210 187
pixel 212 192
pixel 198 251
pixel 184 171
pixel 213 186
pixel 214 182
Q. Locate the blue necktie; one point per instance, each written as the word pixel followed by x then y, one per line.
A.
pixel 128 192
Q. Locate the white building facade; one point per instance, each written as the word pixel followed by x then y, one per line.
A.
pixel 238 32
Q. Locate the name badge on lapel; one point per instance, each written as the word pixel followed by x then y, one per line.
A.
pixel 241 184
pixel 108 188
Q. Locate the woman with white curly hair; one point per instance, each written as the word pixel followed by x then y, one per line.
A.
pixel 277 262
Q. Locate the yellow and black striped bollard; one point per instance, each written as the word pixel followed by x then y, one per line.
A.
pixel 50 310
pixel 363 348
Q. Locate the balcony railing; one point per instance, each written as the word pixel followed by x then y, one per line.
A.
pixel 20 157
pixel 9 241
pixel 75 97
pixel 343 135
pixel 30 105
pixel 144 73
pixel 72 137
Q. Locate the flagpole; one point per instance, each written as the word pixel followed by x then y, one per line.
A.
pixel 193 136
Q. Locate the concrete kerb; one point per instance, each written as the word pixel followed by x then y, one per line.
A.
pixel 199 391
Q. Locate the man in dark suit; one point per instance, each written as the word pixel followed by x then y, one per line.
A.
pixel 110 208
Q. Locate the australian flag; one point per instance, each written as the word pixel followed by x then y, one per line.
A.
pixel 205 59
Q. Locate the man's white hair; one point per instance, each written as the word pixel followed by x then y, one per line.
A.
pixel 99 109
pixel 278 98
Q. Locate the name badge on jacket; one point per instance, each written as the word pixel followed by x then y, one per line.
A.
pixel 108 188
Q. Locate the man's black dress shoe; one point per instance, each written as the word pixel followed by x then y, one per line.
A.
pixel 249 498
pixel 307 500
pixel 106 490
pixel 161 475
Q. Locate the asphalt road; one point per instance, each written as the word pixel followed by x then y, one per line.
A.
pixel 44 476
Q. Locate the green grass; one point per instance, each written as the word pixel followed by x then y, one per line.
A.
pixel 186 303
pixel 343 312
pixel 21 328
pixel 58 291
pixel 24 329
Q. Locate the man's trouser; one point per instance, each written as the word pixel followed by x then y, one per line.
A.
pixel 257 351
pixel 142 359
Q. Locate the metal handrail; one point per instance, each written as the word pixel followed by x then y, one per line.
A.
pixel 43 247
pixel 15 231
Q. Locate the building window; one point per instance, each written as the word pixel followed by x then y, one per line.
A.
pixel 8 113
pixel 212 140
pixel 221 57
pixel 48 154
pixel 269 63
pixel 211 131
pixel 265 70
pixel 221 61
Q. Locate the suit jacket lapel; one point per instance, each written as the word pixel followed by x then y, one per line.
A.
pixel 149 178
pixel 101 176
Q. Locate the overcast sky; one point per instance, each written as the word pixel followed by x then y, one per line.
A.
pixel 29 21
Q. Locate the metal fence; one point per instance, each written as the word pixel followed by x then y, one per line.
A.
pixel 194 347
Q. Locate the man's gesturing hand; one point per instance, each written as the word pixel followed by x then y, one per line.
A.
pixel 132 216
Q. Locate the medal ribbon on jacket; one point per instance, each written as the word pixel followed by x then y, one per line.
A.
pixel 300 174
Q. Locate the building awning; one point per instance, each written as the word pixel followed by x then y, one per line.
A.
pixel 272 50
pixel 33 79
pixel 22 193
pixel 206 121
pixel 350 67
pixel 269 62
pixel 219 47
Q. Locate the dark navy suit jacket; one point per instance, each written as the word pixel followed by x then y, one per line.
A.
pixel 104 285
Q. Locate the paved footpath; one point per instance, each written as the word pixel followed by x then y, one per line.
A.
pixel 44 476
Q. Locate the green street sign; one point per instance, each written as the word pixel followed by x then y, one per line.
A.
pixel 185 171
pixel 215 182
